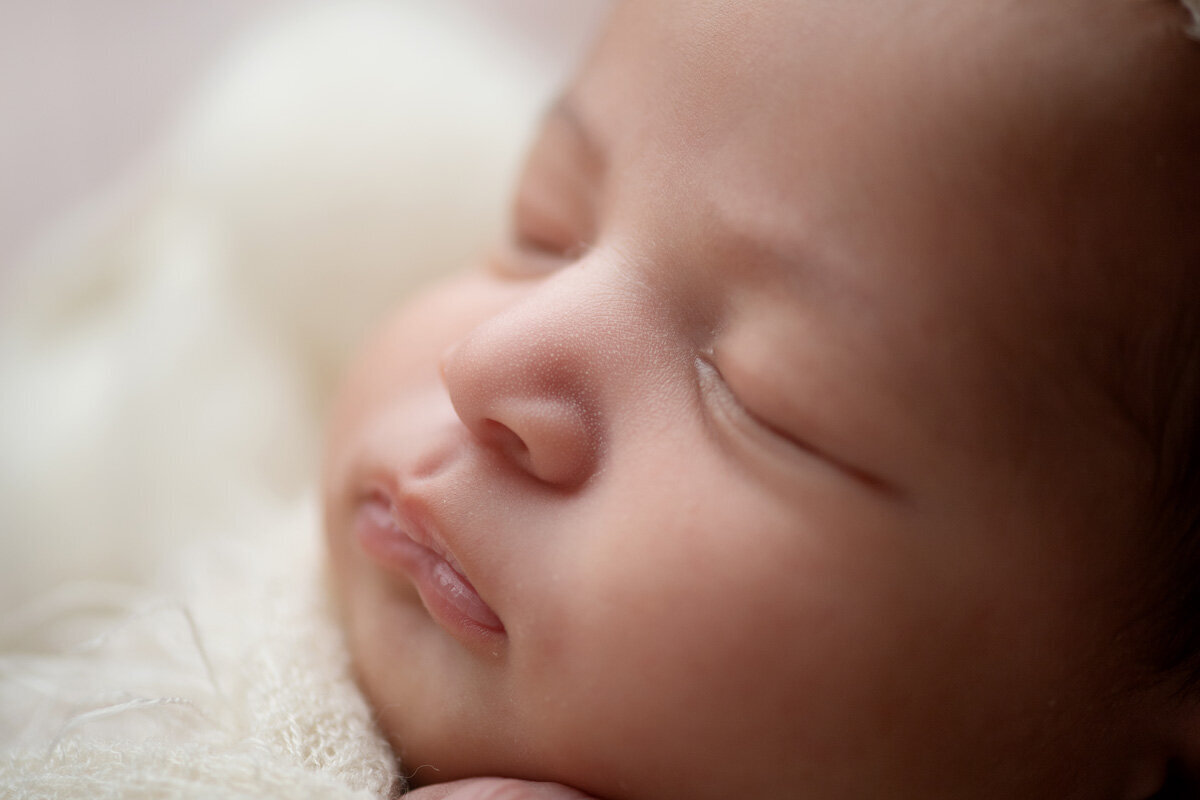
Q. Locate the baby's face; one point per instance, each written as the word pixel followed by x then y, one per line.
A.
pixel 769 458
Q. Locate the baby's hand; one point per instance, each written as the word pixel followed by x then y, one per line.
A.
pixel 497 789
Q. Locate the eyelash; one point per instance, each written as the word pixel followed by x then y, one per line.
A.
pixel 542 249
pixel 728 404
pixel 532 241
pixel 781 443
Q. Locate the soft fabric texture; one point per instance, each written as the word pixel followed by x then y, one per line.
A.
pixel 230 679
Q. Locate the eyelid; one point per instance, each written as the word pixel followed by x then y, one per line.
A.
pixel 532 250
pixel 512 261
pixel 713 382
pixel 524 257
pixel 537 228
pixel 550 221
pixel 564 248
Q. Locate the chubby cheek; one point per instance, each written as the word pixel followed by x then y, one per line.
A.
pixel 708 640
pixel 712 636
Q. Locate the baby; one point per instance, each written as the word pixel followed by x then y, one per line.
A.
pixel 825 429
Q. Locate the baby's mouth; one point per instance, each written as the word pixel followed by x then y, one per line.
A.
pixel 400 544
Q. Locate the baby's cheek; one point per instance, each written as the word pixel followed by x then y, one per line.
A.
pixel 687 632
pixel 633 664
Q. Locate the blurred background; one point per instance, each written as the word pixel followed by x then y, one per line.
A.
pixel 203 208
pixel 87 86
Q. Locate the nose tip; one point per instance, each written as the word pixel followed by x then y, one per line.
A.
pixel 527 410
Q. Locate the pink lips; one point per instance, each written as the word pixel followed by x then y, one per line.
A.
pixel 401 543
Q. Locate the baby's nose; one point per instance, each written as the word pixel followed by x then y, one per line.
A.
pixel 524 385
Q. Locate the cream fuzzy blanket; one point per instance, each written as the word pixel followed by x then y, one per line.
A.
pixel 229 680
pixel 165 360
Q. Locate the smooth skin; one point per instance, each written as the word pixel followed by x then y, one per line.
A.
pixel 785 438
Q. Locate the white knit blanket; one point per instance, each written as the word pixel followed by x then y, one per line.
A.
pixel 228 679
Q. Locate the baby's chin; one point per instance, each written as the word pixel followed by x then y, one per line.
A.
pixel 433 742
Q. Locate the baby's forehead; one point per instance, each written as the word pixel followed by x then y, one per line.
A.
pixel 941 131
pixel 1066 125
pixel 1057 58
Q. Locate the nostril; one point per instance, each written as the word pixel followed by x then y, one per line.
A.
pixel 505 439
pixel 550 441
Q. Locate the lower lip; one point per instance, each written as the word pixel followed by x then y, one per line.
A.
pixel 449 597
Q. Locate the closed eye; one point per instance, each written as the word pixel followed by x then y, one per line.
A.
pixel 544 232
pixel 555 209
pixel 724 402
pixel 536 247
pixel 783 443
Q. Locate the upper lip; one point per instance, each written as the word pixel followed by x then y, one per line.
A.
pixel 414 519
pixel 397 516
